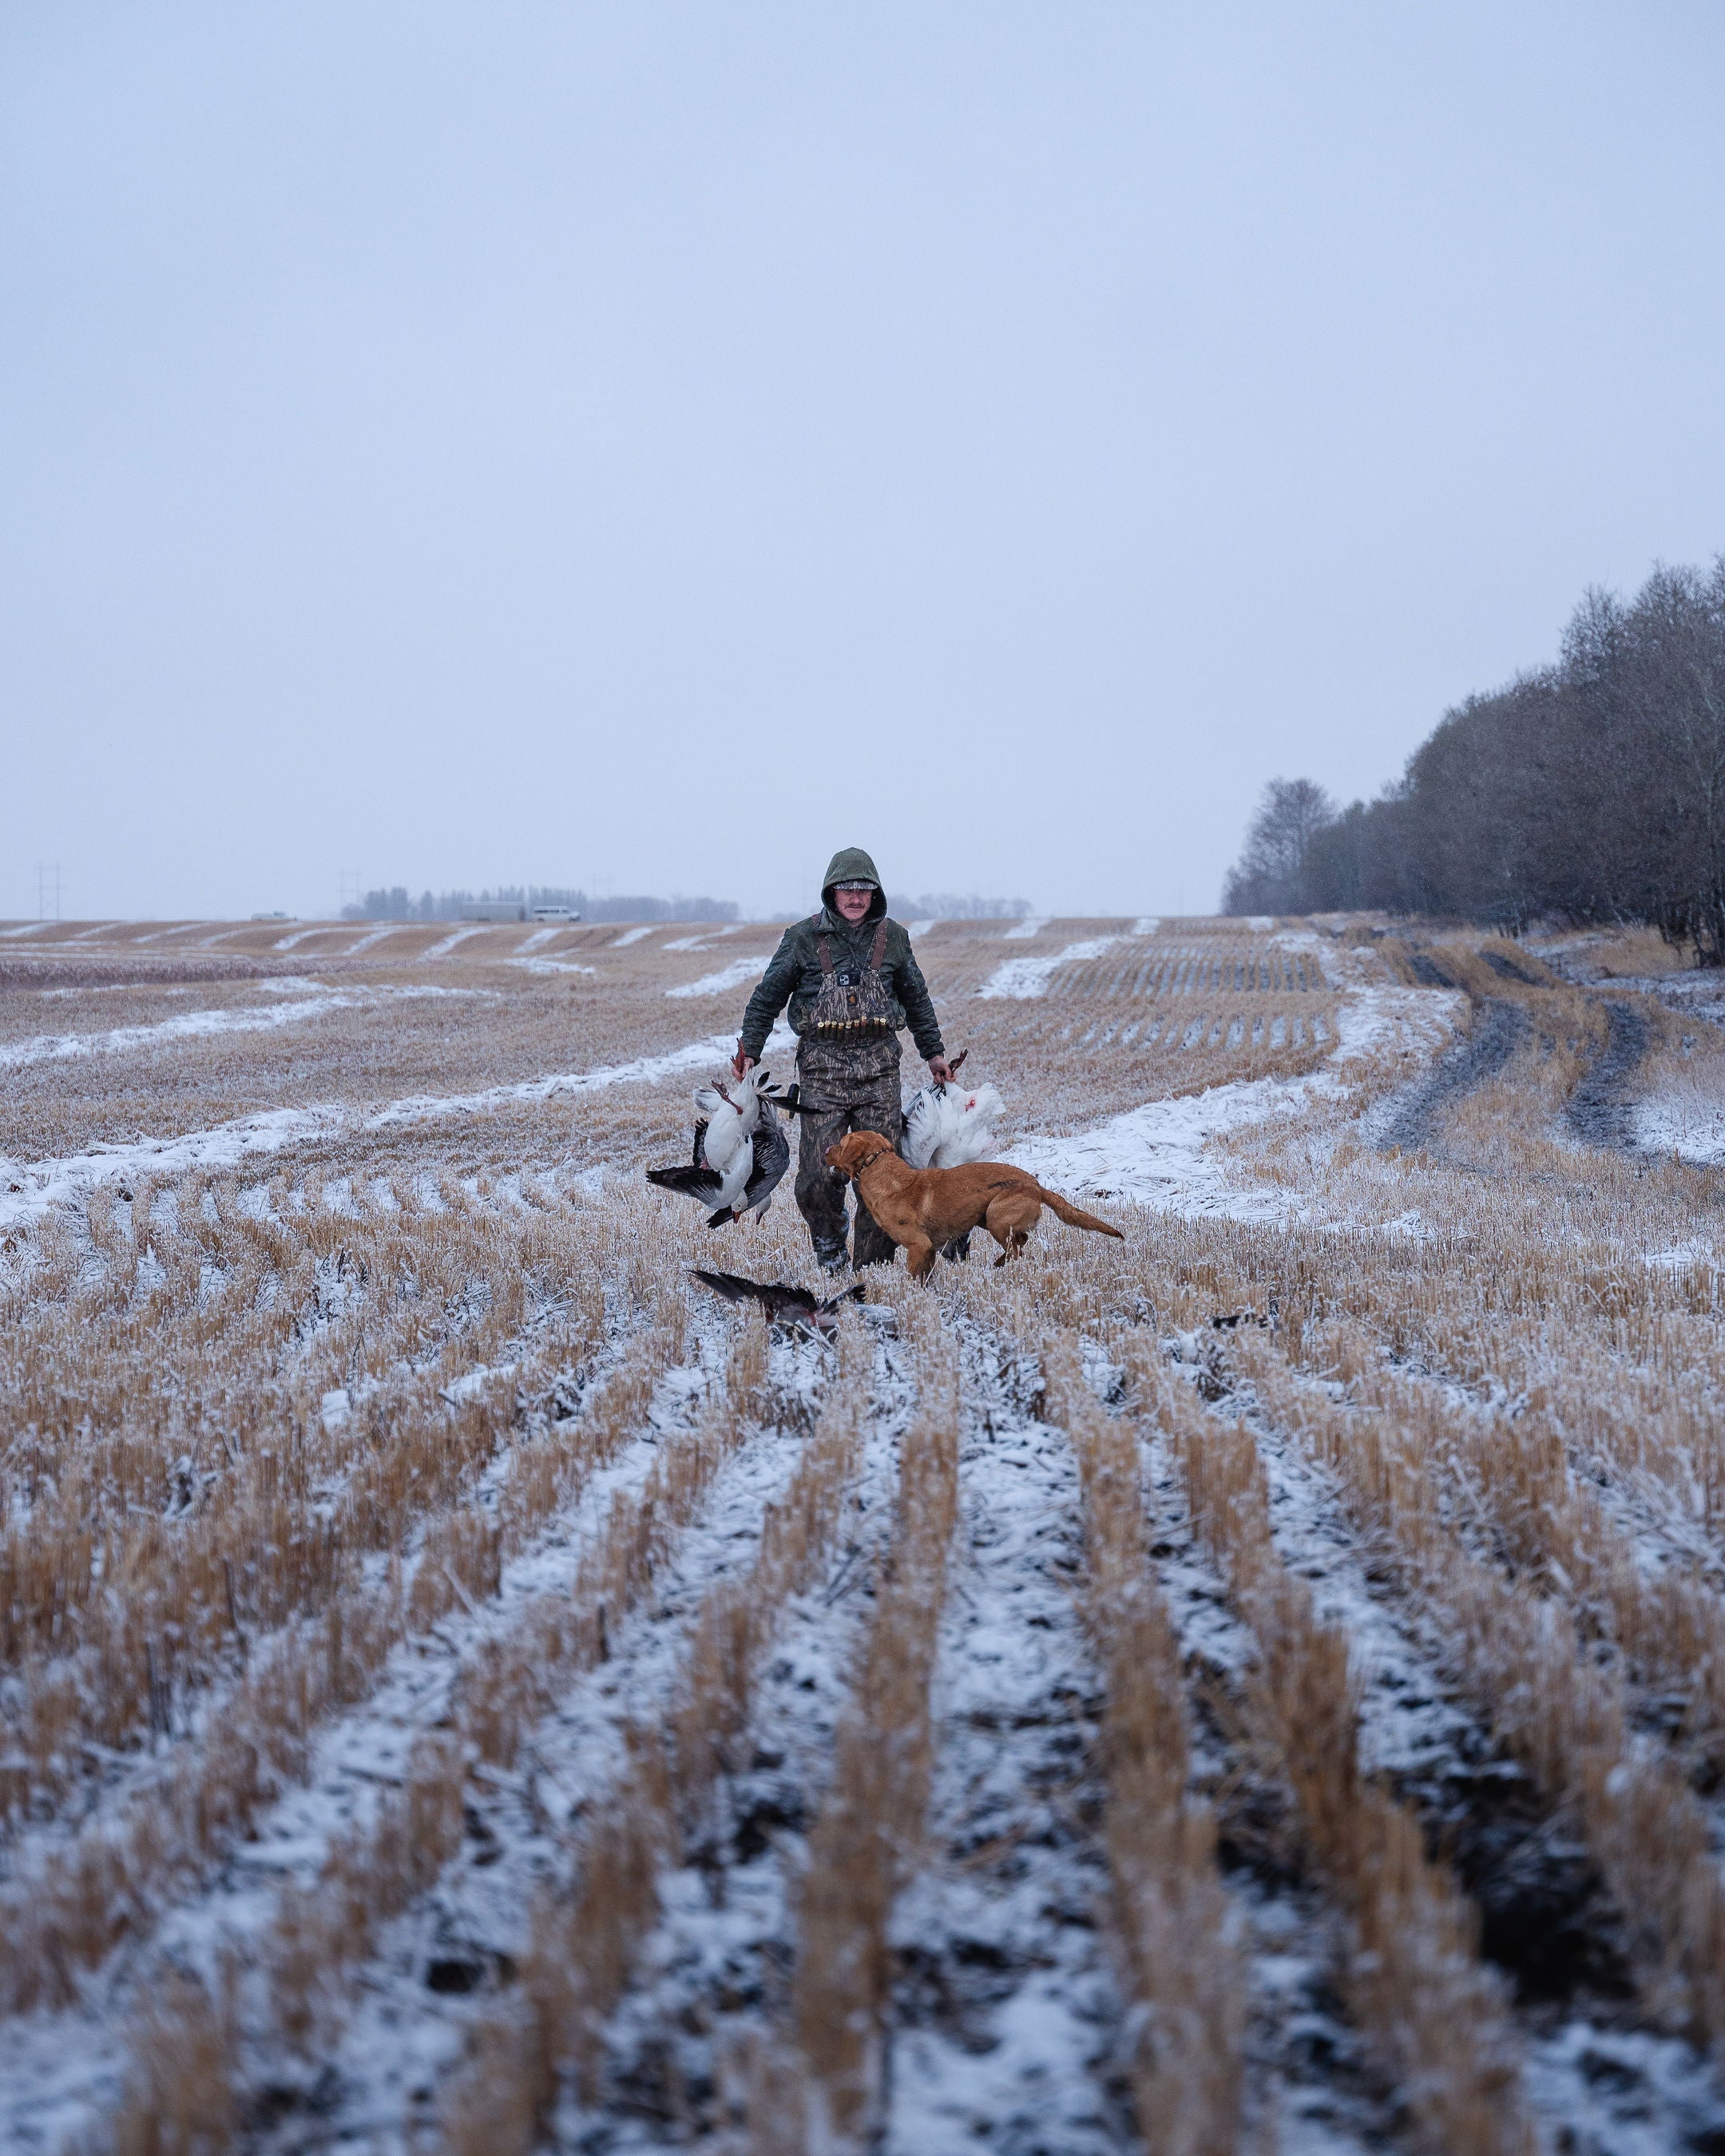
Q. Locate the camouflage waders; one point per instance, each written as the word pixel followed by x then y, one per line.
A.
pixel 847 1066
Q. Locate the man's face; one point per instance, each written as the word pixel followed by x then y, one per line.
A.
pixel 852 899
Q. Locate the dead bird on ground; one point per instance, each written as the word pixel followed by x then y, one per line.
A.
pixel 794 1308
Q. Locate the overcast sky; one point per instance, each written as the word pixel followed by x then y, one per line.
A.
pixel 650 445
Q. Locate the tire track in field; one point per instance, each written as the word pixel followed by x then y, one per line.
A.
pixel 1408 1121
pixel 1601 1110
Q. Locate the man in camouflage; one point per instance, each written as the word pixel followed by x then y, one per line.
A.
pixel 852 981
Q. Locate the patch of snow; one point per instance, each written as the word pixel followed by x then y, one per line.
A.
pixel 1156 1155
pixel 913 929
pixel 88 935
pixel 1147 924
pixel 299 936
pixel 1033 924
pixel 375 935
pixel 57 1047
pixel 1023 978
pixel 1628 2090
pixel 538 940
pixel 704 938
pixel 459 936
pixel 1688 1123
pixel 630 935
pixel 728 977
pixel 178 928
pixel 29 928
pixel 550 966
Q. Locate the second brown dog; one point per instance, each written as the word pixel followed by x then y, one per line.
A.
pixel 923 1209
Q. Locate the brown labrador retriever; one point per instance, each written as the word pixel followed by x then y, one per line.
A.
pixel 925 1208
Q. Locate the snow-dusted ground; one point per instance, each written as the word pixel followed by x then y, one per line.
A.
pixel 202 1025
pixel 448 943
pixel 1007 2023
pixel 1160 1155
pixel 712 1967
pixel 703 939
pixel 405 2033
pixel 29 1188
pixel 1000 1930
pixel 728 976
pixel 372 937
pixel 551 966
pixel 1597 2082
pixel 1684 1116
pixel 1024 978
pixel 67 2068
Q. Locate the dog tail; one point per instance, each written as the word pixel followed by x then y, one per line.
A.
pixel 1063 1209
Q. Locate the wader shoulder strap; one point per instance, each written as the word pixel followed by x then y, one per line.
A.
pixel 879 949
pixel 824 950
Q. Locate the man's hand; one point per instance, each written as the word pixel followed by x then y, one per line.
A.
pixel 742 1063
pixel 938 1068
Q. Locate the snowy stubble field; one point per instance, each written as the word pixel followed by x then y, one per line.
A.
pixel 1258 1684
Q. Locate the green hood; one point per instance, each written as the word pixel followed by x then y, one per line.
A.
pixel 851 864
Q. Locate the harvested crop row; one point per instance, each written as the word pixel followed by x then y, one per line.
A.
pixel 297 1969
pixel 1557 1710
pixel 1413 1977
pixel 868 1839
pixel 281 1529
pixel 1511 1477
pixel 1622 1357
pixel 1179 1938
pixel 587 1932
pixel 110 1880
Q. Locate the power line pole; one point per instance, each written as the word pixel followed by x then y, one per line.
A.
pixel 351 892
pixel 45 870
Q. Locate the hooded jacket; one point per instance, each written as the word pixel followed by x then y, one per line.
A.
pixel 794 976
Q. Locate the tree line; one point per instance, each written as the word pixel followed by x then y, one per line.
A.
pixel 397 904
pixel 1589 790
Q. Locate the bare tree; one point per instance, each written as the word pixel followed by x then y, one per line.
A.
pixel 1271 875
